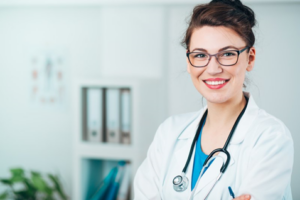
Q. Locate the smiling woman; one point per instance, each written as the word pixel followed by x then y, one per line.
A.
pixel 231 135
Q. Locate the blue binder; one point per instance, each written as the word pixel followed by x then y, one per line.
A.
pixel 105 185
pixel 114 187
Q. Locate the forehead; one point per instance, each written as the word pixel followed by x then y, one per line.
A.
pixel 213 38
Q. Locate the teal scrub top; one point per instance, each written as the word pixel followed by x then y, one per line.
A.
pixel 199 160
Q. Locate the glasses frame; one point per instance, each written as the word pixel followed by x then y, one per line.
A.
pixel 210 55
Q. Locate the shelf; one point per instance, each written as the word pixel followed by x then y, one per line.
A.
pixel 93 158
pixel 105 151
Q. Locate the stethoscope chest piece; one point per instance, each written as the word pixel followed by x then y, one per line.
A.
pixel 180 183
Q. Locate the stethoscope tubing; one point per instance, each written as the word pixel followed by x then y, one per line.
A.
pixel 210 156
pixel 201 174
pixel 224 149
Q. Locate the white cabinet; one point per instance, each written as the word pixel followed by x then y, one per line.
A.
pixel 92 159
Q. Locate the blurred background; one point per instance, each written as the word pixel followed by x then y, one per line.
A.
pixel 51 51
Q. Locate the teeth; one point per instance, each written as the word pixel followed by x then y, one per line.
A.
pixel 215 82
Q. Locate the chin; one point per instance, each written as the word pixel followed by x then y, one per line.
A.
pixel 215 98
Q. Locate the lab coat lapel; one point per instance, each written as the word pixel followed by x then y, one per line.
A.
pixel 182 153
pixel 183 146
pixel 246 121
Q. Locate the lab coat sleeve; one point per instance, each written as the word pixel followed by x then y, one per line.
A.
pixel 147 178
pixel 270 165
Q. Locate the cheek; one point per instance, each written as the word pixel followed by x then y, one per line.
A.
pixel 196 72
pixel 238 73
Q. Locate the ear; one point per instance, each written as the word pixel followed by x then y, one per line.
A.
pixel 251 59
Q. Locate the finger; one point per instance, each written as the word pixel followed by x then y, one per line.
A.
pixel 243 197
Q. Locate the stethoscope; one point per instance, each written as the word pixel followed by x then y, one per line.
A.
pixel 180 182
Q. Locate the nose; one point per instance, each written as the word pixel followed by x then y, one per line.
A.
pixel 213 66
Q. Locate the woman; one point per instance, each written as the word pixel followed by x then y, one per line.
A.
pixel 219 43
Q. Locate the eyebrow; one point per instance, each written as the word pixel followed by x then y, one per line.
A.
pixel 222 49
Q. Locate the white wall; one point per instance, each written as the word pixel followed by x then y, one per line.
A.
pixel 42 139
pixel 277 71
pixel 100 42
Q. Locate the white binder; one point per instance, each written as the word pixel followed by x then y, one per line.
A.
pixel 113 115
pixel 125 116
pixel 125 183
pixel 94 114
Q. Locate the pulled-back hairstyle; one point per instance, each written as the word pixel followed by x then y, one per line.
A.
pixel 229 13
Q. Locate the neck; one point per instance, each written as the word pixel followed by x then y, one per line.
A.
pixel 224 114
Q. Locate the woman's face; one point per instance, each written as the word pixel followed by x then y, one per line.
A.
pixel 209 80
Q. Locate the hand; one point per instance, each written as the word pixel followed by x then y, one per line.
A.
pixel 243 197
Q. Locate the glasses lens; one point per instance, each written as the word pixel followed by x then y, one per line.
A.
pixel 227 57
pixel 198 59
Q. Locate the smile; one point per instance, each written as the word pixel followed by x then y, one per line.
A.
pixel 216 84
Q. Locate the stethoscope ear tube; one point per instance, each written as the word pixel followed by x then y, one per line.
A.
pixel 194 141
pixel 224 167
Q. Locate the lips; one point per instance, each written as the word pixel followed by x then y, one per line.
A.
pixel 215 83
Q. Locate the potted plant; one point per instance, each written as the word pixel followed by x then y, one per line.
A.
pixel 32 186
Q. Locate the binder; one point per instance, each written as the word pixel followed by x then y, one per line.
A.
pixel 112 115
pixel 125 116
pixel 125 183
pixel 94 114
pixel 114 187
pixel 104 186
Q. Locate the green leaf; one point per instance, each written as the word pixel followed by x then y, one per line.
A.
pixel 17 172
pixel 17 175
pixel 6 181
pixel 57 186
pixel 48 198
pixel 33 173
pixel 30 188
pixel 3 196
pixel 40 184
pixel 23 195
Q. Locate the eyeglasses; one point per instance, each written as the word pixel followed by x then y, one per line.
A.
pixel 225 58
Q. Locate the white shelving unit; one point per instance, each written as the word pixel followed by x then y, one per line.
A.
pixel 147 111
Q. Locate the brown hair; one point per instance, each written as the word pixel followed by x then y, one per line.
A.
pixel 229 13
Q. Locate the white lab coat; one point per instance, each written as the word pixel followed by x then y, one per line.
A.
pixel 261 162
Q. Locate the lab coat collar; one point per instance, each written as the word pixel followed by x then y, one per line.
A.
pixel 241 130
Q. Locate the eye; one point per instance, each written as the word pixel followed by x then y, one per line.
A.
pixel 228 54
pixel 199 55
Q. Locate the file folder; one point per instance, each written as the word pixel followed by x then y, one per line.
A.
pixel 94 114
pixel 125 183
pixel 113 115
pixel 125 116
pixel 103 189
pixel 114 187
